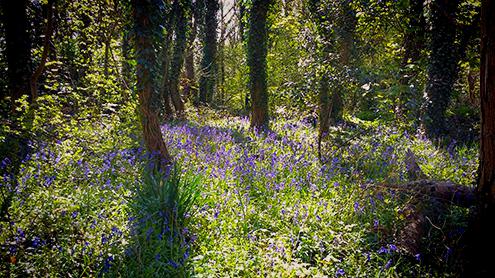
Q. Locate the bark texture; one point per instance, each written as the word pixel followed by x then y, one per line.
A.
pixel 208 63
pixel 190 75
pixel 166 59
pixel 257 50
pixel 486 187
pixel 410 96
pixel 481 240
pixel 178 55
pixel 146 60
pixel 442 70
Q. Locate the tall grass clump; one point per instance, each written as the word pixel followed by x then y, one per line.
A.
pixel 160 212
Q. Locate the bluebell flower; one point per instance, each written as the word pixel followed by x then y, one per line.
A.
pixel 392 247
pixel 418 257
pixel 36 242
pixel 172 263
pixel 383 250
pixel 388 264
pixel 339 272
pixel 148 233
pixel 104 239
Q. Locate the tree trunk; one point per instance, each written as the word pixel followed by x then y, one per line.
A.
pixel 346 27
pixel 482 231
pixel 46 48
pixel 208 64
pixel 189 87
pixel 146 58
pixel 242 27
pixel 222 54
pixel 413 44
pixel 190 75
pixel 178 55
pixel 18 48
pixel 165 86
pixel 442 69
pixel 257 47
pixel 486 187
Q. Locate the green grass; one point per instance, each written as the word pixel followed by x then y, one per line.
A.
pixel 241 204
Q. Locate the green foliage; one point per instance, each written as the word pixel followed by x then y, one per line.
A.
pixel 288 69
pixel 236 76
pixel 160 241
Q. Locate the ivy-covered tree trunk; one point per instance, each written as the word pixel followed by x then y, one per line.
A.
pixel 344 29
pixel 345 32
pixel 407 108
pixel 190 87
pixel 208 63
pixel 143 12
pixel 181 18
pixel 442 69
pixel 242 14
pixel 257 48
pixel 18 47
pixel 166 61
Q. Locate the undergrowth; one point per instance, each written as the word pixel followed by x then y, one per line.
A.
pixel 241 203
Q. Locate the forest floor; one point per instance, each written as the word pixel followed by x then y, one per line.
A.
pixel 240 204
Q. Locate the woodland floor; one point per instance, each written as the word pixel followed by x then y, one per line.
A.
pixel 250 205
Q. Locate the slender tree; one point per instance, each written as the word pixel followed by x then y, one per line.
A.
pixel 144 12
pixel 335 24
pixel 166 57
pixel 190 76
pixel 221 54
pixel 344 29
pixel 18 47
pixel 182 16
pixel 257 48
pixel 413 43
pixel 208 63
pixel 33 82
pixel 346 26
pixel 442 69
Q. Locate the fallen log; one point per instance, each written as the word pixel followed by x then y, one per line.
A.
pixel 431 198
pixel 445 192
